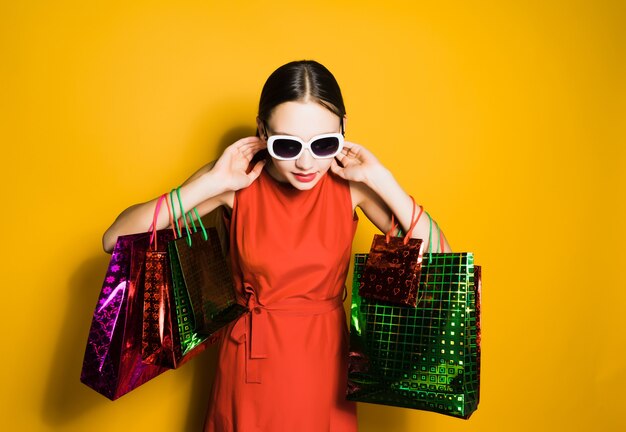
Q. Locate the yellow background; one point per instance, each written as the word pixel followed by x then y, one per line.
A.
pixel 505 119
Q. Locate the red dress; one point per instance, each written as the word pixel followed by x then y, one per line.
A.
pixel 282 367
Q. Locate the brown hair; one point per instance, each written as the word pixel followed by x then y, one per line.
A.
pixel 301 80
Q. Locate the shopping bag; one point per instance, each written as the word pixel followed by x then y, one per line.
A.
pixel 171 338
pixel 112 364
pixel 160 338
pixel 427 357
pixel 392 271
pixel 207 303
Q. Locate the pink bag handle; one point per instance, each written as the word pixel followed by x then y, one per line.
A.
pixel 153 236
pixel 413 223
pixel 152 229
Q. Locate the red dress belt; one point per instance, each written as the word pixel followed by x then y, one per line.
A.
pixel 251 328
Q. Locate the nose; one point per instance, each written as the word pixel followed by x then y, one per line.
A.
pixel 305 161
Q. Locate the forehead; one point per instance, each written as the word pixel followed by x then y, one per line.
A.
pixel 303 119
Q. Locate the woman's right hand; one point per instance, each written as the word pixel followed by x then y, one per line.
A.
pixel 232 166
pixel 206 189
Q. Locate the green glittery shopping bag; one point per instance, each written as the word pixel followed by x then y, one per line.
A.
pixel 427 357
pixel 204 294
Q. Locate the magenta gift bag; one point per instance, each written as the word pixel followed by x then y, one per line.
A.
pixel 112 364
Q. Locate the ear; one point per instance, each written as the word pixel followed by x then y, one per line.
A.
pixel 344 122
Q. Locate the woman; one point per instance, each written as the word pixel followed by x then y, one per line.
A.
pixel 282 367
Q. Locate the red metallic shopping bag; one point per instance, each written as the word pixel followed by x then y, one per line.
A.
pixel 392 271
pixel 160 338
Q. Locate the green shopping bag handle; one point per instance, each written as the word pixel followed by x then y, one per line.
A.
pixel 205 236
pixel 172 217
pixel 195 210
pixel 184 217
pixel 175 218
pixel 193 224
pixel 189 217
pixel 430 239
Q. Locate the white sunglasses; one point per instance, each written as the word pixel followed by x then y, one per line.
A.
pixel 286 147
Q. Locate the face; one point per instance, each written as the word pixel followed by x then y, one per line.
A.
pixel 304 120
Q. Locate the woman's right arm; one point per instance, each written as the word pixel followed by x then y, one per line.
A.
pixel 211 186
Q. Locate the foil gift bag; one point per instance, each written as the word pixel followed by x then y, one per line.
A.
pixel 191 343
pixel 199 265
pixel 160 338
pixel 208 282
pixel 112 364
pixel 427 357
pixel 392 271
pixel 188 340
pixel 160 329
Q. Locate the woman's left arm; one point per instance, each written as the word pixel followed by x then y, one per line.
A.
pixel 379 195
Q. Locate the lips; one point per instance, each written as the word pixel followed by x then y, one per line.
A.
pixel 305 178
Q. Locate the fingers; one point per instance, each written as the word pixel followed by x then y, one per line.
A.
pixel 247 147
pixel 349 149
pixel 249 152
pixel 256 143
pixel 335 168
pixel 347 159
pixel 357 152
pixel 247 140
pixel 245 143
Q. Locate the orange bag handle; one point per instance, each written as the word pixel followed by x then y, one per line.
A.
pixel 155 216
pixel 153 236
pixel 413 223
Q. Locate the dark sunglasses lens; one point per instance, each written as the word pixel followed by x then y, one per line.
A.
pixel 325 147
pixel 287 148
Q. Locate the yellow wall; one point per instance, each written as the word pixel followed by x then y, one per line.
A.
pixel 505 119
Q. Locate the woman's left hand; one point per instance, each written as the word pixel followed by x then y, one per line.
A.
pixel 359 164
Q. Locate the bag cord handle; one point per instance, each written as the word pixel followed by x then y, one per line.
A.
pixel 430 238
pixel 413 223
pixel 175 221
pixel 169 213
pixel 190 216
pixel 204 234
pixel 182 215
pixel 155 216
